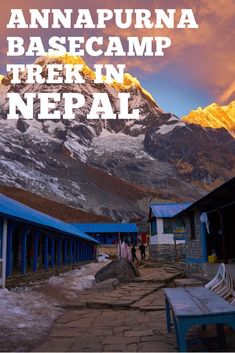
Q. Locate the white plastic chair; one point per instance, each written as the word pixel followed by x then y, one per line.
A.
pixel 218 279
pixel 225 289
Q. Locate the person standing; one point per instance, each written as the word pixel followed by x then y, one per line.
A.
pixel 142 251
pixel 133 251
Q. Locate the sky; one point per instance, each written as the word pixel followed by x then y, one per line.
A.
pixel 198 69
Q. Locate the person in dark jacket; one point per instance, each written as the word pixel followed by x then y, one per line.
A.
pixel 133 251
pixel 142 251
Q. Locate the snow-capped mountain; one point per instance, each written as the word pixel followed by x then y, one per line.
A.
pixel 214 116
pixel 110 167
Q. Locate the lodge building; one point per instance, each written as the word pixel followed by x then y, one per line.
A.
pixel 34 245
pixel 210 229
pixel 110 233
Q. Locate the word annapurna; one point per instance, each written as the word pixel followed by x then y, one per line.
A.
pixel 101 18
pixel 101 107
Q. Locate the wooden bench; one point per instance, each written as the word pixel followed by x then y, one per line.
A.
pixel 196 306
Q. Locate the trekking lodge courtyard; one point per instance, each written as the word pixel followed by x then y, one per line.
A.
pixel 117 288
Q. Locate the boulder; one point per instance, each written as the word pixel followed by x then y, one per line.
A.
pixel 125 271
pixel 108 284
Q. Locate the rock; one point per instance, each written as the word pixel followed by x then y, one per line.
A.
pixel 120 269
pixel 22 125
pixel 108 284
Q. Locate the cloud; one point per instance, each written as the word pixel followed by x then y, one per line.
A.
pixel 228 94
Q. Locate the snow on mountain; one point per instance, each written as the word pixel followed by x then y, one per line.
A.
pixel 214 116
pixel 110 167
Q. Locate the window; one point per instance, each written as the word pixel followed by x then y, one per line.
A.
pixel 192 226
pixel 167 226
pixel 153 226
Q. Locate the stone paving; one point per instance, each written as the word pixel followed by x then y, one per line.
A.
pixel 130 318
pixel 109 330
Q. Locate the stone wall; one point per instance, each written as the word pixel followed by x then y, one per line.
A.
pixel 167 253
pixel 193 247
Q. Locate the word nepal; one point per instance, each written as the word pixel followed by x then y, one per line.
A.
pixel 101 107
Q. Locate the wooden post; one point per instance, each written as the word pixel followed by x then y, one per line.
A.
pixel 203 241
pixel 70 252
pixel 9 250
pixel 85 251
pixel 52 251
pixel 65 252
pixel 74 252
pixel 35 250
pixel 223 236
pixel 4 253
pixel 46 251
pixel 77 251
pixel 24 250
pixel 59 251
pixel 82 253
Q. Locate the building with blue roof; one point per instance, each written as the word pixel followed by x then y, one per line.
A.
pixel 165 225
pixel 31 241
pixel 210 230
pixel 108 233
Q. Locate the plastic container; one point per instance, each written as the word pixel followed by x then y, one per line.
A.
pixel 212 259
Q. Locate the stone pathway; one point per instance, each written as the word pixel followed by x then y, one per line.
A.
pixel 93 330
pixel 122 297
pixel 129 318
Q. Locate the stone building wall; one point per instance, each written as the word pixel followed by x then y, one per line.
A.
pixel 167 253
pixel 193 247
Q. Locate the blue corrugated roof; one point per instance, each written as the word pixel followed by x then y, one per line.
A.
pixel 168 210
pixel 15 210
pixel 107 227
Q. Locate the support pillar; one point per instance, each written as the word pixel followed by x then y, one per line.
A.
pixel 66 252
pixel 203 242
pixel 223 237
pixel 70 252
pixel 4 252
pixel 52 251
pixel 35 251
pixel 9 250
pixel 24 250
pixel 59 251
pixel 77 251
pixel 46 252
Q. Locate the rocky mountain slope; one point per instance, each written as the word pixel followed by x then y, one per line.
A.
pixel 214 116
pixel 110 167
pixel 52 208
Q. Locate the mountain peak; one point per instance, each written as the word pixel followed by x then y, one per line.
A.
pixel 129 81
pixel 66 59
pixel 214 116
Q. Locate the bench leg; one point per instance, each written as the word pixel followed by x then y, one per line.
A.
pixel 221 335
pixel 168 316
pixel 181 329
